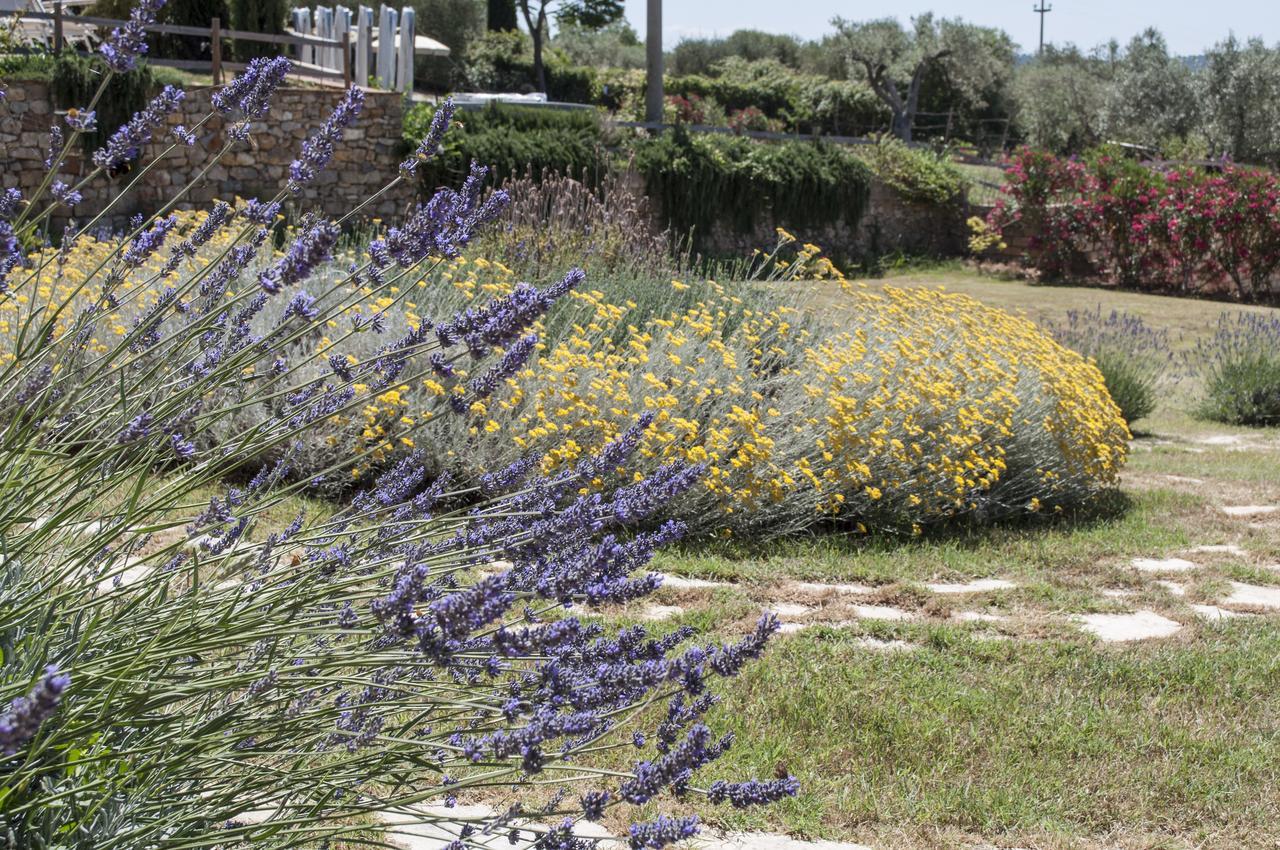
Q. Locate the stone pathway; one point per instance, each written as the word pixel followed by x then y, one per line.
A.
pixel 1249 510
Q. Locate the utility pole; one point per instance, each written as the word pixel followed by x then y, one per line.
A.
pixel 1042 10
pixel 653 42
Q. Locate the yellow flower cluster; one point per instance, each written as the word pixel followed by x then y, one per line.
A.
pixel 898 408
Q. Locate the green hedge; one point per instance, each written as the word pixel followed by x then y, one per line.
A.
pixel 699 180
pixel 512 140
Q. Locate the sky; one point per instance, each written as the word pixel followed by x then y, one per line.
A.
pixel 1189 25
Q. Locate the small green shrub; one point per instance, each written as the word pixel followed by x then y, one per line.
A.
pixel 916 174
pixel 76 78
pixel 1131 383
pixel 1242 371
pixel 1134 358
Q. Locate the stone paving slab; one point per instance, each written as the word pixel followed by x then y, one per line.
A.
pixel 1249 510
pixel 682 583
pixel 843 589
pixel 1140 625
pixel 1252 594
pixel 982 585
pixel 1163 565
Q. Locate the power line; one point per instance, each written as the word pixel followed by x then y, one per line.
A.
pixel 1042 10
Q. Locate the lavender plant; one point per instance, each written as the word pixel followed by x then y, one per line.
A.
pixel 1134 358
pixel 186 662
pixel 1240 368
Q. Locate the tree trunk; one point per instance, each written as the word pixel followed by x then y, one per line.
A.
pixel 902 121
pixel 502 15
pixel 539 72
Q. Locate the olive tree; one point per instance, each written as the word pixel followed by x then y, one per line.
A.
pixel 896 61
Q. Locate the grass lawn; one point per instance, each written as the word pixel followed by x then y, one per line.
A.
pixel 993 718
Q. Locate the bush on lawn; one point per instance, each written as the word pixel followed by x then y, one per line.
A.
pixel 1135 359
pixel 1187 231
pixel 1241 374
pixel 190 656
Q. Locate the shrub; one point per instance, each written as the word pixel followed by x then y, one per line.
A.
pixel 513 140
pixel 1241 375
pixel 699 181
pixel 1134 358
pixel 915 174
pixel 1106 217
pixel 172 633
pixel 76 79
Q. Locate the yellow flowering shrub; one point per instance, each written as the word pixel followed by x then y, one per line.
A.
pixel 886 408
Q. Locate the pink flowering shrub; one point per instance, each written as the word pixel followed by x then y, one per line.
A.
pixel 1108 218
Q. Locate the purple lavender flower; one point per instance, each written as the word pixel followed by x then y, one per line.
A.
pixel 55 145
pixel 753 792
pixel 430 144
pixel 261 212
pixel 125 45
pixel 483 385
pixel 64 194
pixel 213 222
pixel 318 150
pixel 183 136
pixel 27 714
pixel 250 93
pixel 136 428
pixel 125 144
pixel 10 200
pixel 302 305
pixel 311 248
pixel 10 253
pixel 662 831
pixel 148 242
pixel 182 447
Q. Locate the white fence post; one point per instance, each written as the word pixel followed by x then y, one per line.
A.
pixel 404 73
pixel 387 47
pixel 364 19
pixel 302 23
pixel 341 26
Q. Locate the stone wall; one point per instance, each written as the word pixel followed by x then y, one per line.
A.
pixel 365 161
pixel 890 224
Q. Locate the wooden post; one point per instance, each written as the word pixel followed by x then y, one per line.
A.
pixel 346 59
pixel 653 99
pixel 215 50
pixel 57 27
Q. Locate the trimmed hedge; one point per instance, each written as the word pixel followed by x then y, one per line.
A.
pixel 698 180
pixel 513 141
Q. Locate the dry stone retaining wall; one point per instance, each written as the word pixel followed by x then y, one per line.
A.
pixel 365 161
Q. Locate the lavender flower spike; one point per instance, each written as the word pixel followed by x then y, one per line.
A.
pixel 430 144
pixel 125 45
pixel 310 249
pixel 126 143
pixel 318 150
pixel 251 91
pixel 27 714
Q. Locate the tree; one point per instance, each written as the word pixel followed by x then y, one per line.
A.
pixel 895 62
pixel 591 14
pixel 1061 99
pixel 264 16
pixel 1240 97
pixel 1152 101
pixel 502 15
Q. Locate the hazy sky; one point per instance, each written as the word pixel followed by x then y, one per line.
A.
pixel 1189 25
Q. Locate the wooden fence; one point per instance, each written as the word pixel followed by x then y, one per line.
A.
pixel 327 54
